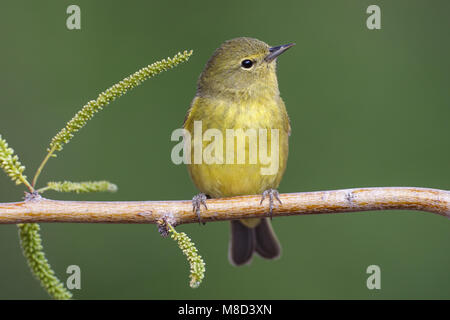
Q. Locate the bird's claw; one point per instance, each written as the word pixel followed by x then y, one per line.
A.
pixel 197 202
pixel 270 193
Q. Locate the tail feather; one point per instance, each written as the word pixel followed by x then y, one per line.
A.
pixel 244 241
pixel 242 244
pixel 267 244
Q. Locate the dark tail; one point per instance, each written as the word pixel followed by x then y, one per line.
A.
pixel 244 241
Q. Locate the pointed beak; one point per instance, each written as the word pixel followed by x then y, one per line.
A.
pixel 276 51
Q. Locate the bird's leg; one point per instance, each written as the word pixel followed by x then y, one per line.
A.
pixel 270 193
pixel 197 202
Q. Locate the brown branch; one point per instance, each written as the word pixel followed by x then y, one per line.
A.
pixel 348 200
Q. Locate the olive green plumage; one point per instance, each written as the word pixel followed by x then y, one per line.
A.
pixel 238 89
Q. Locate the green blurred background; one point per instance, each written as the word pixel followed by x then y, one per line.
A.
pixel 368 108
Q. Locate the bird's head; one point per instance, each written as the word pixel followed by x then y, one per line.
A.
pixel 241 66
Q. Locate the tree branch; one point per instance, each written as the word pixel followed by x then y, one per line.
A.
pixel 37 209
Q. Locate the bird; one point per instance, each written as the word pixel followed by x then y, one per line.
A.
pixel 238 90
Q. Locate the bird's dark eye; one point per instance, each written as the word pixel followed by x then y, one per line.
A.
pixel 247 64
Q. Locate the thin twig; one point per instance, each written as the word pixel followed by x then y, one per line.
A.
pixel 42 165
pixel 337 201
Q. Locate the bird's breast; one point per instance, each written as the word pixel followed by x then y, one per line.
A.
pixel 252 123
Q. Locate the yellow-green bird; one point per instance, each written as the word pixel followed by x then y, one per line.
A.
pixel 238 89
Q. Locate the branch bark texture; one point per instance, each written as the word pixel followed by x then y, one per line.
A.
pixel 39 209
